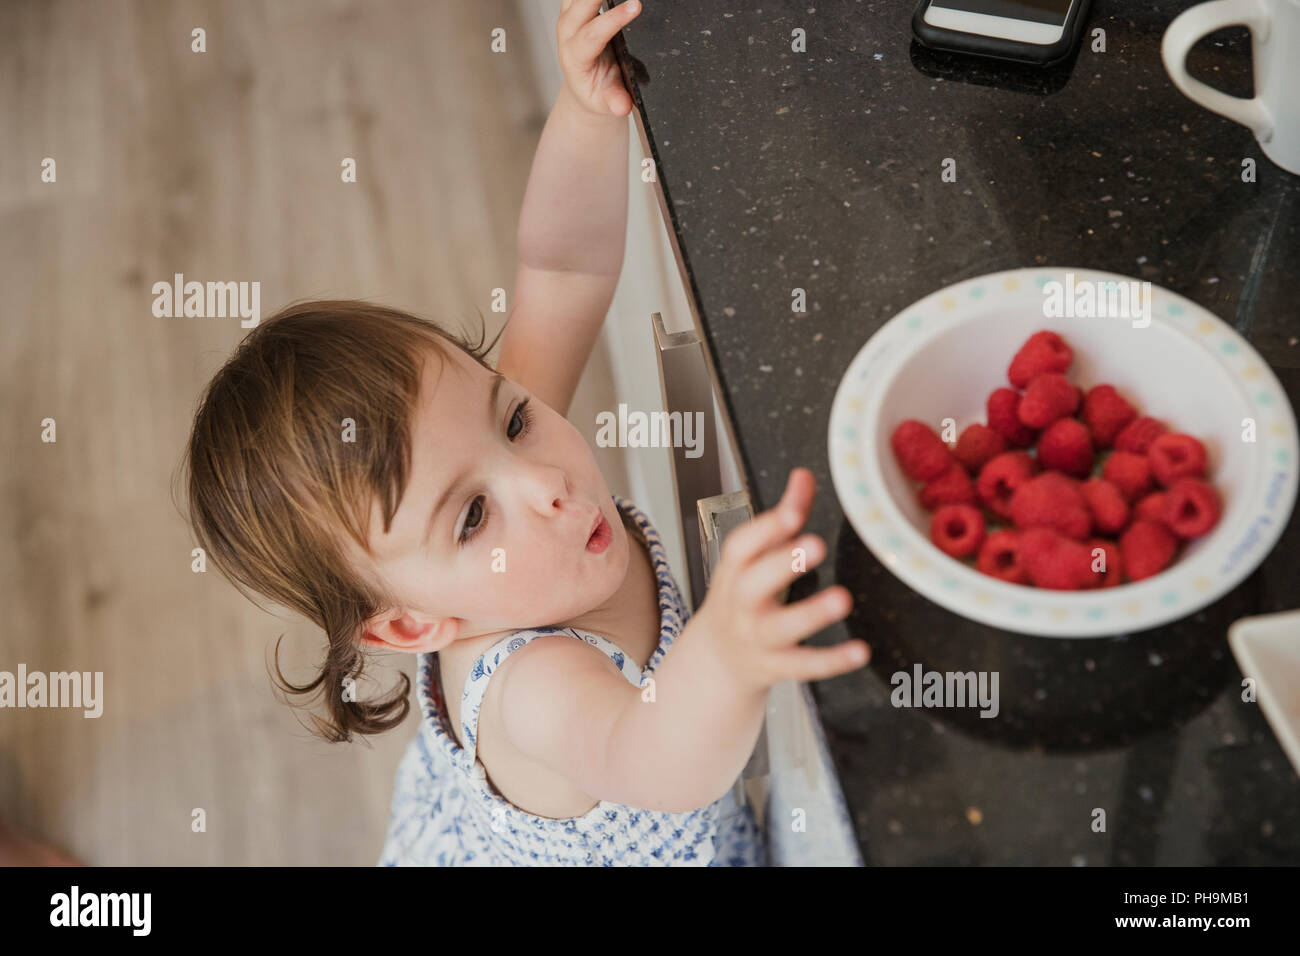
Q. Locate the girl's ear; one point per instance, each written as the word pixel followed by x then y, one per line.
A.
pixel 394 631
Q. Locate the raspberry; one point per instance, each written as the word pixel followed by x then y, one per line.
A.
pixel 1000 557
pixel 1047 397
pixel 1191 507
pixel 920 452
pixel 1003 409
pixel 1176 456
pixel 953 487
pixel 1106 413
pixel 977 446
pixel 957 530
pixel 1043 352
pixel 1147 548
pixel 1152 507
pixel 1000 478
pixel 1107 505
pixel 1066 446
pixel 1055 561
pixel 1129 472
pixel 1138 435
pixel 1105 570
pixel 1051 500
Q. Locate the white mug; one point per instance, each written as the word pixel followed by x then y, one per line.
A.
pixel 1273 115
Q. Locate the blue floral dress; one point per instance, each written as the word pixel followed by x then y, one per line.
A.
pixel 445 812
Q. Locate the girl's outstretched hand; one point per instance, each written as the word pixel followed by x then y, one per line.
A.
pixel 590 72
pixel 758 635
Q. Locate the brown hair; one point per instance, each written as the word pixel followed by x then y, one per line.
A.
pixel 271 483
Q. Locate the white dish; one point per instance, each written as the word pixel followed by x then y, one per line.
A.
pixel 942 356
pixel 1267 649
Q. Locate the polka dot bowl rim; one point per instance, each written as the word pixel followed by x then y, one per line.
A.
pixel 1191 584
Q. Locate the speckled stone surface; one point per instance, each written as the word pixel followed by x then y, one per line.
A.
pixel 821 170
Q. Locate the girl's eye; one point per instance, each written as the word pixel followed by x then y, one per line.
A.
pixel 525 415
pixel 478 515
pixel 473 520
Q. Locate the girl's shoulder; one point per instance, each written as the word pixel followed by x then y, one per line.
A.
pixel 454 664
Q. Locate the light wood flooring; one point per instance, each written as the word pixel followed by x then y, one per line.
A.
pixel 221 166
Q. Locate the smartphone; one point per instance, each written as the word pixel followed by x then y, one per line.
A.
pixel 1027 31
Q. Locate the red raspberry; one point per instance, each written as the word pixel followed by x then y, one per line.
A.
pixel 1129 472
pixel 1152 507
pixel 957 530
pixel 1138 435
pixel 1107 505
pixel 1176 456
pixel 1051 500
pixel 1043 352
pixel 1000 478
pixel 1055 561
pixel 920 452
pixel 977 446
pixel 1105 569
pixel 1147 547
pixel 1000 557
pixel 1106 413
pixel 1003 409
pixel 953 487
pixel 1191 507
pixel 1066 446
pixel 1047 397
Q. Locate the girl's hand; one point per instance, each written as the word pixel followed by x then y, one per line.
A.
pixel 756 635
pixel 590 72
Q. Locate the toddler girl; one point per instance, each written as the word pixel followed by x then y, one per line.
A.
pixel 366 468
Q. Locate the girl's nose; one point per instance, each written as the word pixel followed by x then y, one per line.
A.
pixel 547 488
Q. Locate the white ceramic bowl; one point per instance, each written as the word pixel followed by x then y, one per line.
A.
pixel 941 357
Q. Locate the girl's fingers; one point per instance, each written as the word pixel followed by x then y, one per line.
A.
pixel 819 663
pixel 575 15
pixel 772 573
pixel 794 622
pixel 591 39
pixel 773 527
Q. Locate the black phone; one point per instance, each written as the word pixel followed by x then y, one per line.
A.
pixel 1026 31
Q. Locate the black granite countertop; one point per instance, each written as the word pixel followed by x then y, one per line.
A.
pixel 820 170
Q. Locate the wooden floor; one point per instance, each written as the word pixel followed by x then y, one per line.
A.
pixel 223 166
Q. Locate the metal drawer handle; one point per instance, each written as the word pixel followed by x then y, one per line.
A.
pixel 719 515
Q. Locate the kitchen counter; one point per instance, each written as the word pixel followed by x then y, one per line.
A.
pixel 821 171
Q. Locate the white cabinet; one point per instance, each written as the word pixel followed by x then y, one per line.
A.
pixel 800 783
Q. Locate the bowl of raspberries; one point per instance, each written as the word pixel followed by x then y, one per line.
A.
pixel 1063 476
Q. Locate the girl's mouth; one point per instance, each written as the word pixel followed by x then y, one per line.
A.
pixel 601 537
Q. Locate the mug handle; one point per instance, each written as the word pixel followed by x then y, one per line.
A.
pixel 1190 26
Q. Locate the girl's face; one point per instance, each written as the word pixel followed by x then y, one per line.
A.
pixel 492 530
